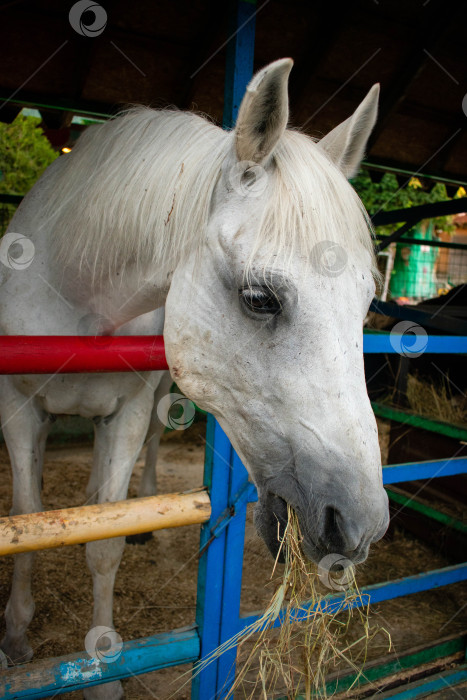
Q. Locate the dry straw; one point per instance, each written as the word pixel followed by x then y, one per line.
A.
pixel 437 401
pixel 313 638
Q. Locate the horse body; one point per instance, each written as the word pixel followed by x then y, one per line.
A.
pixel 37 301
pixel 159 209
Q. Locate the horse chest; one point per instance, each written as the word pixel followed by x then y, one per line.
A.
pixel 88 396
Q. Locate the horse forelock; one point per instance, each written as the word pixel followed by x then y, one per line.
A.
pixel 310 203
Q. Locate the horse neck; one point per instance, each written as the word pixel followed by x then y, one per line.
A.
pixel 119 298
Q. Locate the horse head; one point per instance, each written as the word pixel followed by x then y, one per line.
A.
pixel 264 322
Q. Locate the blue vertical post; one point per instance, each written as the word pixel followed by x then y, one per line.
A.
pixel 238 73
pixel 233 569
pixel 211 565
pixel 220 568
pixel 240 56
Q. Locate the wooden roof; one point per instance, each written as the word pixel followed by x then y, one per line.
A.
pixel 162 52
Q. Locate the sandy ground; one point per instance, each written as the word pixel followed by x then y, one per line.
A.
pixel 156 583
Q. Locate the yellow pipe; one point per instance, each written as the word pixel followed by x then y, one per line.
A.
pixel 56 528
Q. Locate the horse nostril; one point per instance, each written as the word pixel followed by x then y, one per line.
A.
pixel 330 519
pixel 338 534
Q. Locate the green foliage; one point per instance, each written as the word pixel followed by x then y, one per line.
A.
pixel 386 195
pixel 25 153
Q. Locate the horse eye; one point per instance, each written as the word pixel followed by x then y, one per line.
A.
pixel 260 301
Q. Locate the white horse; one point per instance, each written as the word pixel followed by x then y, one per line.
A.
pixel 260 251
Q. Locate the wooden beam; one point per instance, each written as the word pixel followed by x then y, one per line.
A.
pixel 57 528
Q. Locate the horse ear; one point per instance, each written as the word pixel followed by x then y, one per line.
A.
pixel 346 144
pixel 264 112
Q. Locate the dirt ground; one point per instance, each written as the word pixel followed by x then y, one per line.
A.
pixel 156 583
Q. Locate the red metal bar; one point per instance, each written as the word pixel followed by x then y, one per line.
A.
pixel 51 354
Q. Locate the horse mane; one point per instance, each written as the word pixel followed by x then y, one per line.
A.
pixel 135 189
pixel 138 190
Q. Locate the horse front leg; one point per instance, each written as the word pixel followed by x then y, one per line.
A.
pixel 118 442
pixel 25 426
pixel 148 483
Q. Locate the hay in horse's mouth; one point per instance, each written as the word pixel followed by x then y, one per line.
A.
pixel 311 637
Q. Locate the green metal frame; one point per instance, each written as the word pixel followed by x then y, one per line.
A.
pixel 411 503
pixel 417 421
pixel 378 672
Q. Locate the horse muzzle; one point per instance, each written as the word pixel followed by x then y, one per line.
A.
pixel 327 530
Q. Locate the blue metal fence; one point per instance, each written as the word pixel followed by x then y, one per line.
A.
pixel 222 537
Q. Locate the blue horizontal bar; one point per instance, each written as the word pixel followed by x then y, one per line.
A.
pixel 441 344
pixel 378 592
pixel 76 671
pixel 395 473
